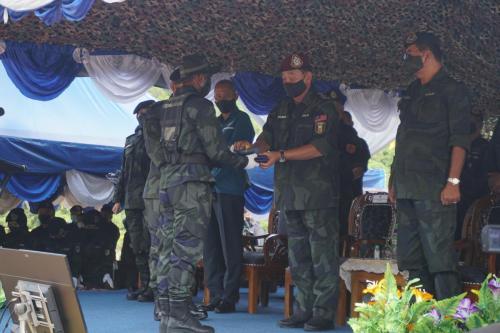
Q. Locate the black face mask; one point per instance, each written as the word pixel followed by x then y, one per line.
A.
pixel 295 89
pixel 44 219
pixel 412 64
pixel 206 87
pixel 226 106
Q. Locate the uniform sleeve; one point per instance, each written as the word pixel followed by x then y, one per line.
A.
pixel 362 155
pixel 210 135
pixel 152 136
pixel 493 152
pixel 244 129
pixel 268 129
pixel 327 141
pixel 459 118
pixel 119 195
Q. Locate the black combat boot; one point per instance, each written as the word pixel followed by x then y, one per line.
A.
pixel 297 320
pixel 146 296
pixel 197 312
pixel 181 320
pixel 162 309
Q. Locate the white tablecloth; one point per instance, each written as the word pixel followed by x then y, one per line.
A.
pixel 367 265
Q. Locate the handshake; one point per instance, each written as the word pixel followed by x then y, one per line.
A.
pixel 255 159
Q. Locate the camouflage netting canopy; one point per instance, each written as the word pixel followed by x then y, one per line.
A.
pixel 357 42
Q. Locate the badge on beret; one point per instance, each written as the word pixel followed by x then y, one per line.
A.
pixel 320 124
pixel 411 38
pixel 296 61
pixel 333 94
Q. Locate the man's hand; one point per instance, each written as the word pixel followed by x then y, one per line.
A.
pixel 392 194
pixel 350 148
pixel 242 145
pixel 450 195
pixel 117 208
pixel 273 157
pixel 494 181
pixel 358 172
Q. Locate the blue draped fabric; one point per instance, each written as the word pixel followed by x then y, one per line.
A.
pixel 34 187
pixel 259 197
pixel 40 72
pixel 374 179
pixel 54 157
pixel 261 93
pixel 72 10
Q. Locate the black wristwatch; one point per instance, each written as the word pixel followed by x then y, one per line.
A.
pixel 282 156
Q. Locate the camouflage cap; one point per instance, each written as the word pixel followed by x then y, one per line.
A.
pixel 295 61
pixel 143 105
pixel 193 64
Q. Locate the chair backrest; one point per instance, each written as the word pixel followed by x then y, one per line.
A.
pixel 483 211
pixel 372 217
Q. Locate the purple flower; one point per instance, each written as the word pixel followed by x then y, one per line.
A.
pixel 465 309
pixel 434 314
pixel 494 286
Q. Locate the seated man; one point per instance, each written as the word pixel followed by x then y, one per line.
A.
pixel 40 235
pixel 2 235
pixel 493 161
pixel 18 237
pixel 109 230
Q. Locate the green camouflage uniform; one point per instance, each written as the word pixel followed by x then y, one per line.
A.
pixel 151 195
pixel 129 191
pixel 192 142
pixel 308 193
pixel 434 118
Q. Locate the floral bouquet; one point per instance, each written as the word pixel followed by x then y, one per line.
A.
pixel 412 309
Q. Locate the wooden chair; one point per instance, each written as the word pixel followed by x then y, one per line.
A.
pixel 371 222
pixel 475 264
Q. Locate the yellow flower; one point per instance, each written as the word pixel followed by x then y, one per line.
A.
pixel 475 292
pixel 421 295
pixel 373 287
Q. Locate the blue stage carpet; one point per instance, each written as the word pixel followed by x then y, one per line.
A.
pixel 110 312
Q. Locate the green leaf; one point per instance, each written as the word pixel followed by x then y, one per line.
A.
pixel 475 321
pixel 448 306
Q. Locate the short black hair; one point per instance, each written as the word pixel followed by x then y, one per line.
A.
pixel 428 41
pixel 227 83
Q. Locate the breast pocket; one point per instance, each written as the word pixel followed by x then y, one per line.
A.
pixel 303 133
pixel 431 110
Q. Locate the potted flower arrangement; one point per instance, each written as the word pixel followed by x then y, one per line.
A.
pixel 412 309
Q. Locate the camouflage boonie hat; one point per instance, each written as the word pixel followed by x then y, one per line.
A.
pixel 193 64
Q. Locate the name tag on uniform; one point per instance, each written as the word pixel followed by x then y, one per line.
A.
pixel 320 124
pixel 282 116
pixel 429 94
pixel 305 115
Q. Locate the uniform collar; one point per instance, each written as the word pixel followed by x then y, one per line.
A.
pixel 308 98
pixel 231 116
pixel 185 90
pixel 437 78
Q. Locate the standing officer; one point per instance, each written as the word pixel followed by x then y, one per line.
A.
pixel 474 178
pixel 135 169
pixel 192 142
pixel 222 257
pixel 299 135
pixel 431 144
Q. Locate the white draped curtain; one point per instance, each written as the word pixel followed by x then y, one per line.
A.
pixel 27 5
pixel 8 202
pixel 375 116
pixel 122 78
pixel 87 190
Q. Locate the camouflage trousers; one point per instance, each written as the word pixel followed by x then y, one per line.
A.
pixel 152 219
pixel 426 231
pixel 313 237
pixel 139 241
pixel 184 218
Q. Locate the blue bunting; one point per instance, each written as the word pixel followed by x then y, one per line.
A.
pixel 34 187
pixel 261 93
pixel 40 72
pixel 258 200
pixel 72 10
pixel 54 157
